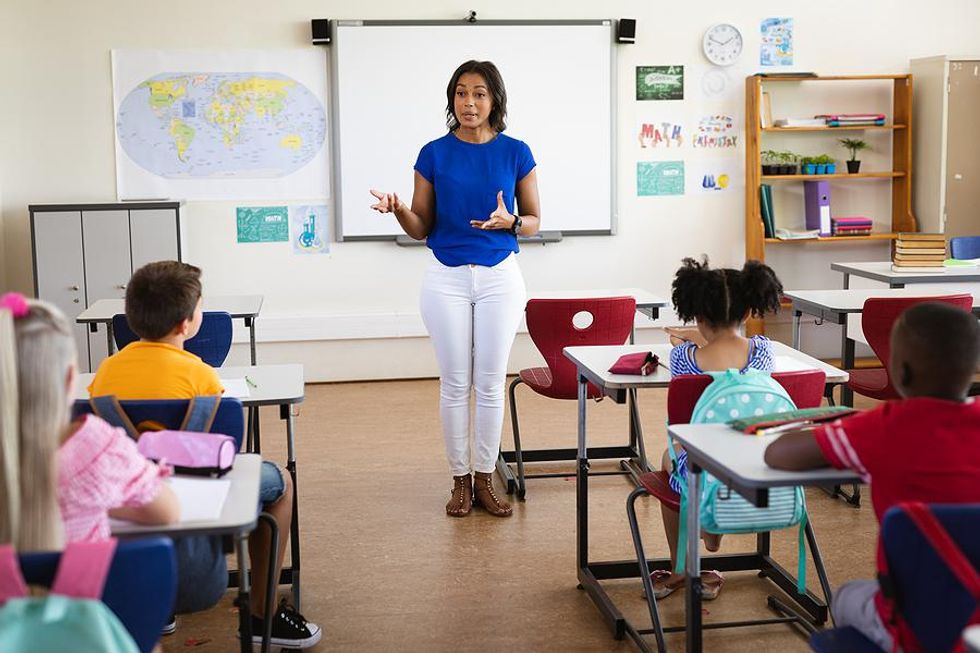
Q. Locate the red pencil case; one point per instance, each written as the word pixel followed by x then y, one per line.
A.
pixel 638 364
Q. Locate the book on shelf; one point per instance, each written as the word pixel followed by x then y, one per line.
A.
pixel 800 122
pixel 765 204
pixel 850 117
pixel 866 231
pixel 856 123
pixel 856 219
pixel 765 113
pixel 920 244
pixel 793 234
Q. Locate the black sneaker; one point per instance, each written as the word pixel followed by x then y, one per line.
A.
pixel 289 628
pixel 170 627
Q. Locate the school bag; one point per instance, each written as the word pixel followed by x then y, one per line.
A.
pixel 71 617
pixel 734 395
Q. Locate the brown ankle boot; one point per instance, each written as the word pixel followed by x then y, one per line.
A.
pixel 461 501
pixel 484 495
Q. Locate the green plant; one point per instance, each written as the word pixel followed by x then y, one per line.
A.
pixel 770 157
pixel 788 157
pixel 823 159
pixel 855 145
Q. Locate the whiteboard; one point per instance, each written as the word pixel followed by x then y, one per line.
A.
pixel 389 99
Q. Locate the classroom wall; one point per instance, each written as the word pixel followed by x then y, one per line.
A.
pixel 353 314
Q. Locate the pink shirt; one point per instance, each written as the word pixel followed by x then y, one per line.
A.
pixel 99 468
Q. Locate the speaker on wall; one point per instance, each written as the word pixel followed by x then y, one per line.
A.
pixel 626 30
pixel 321 31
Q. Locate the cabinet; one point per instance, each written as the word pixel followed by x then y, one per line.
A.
pixel 86 252
pixel 947 170
pixel 849 92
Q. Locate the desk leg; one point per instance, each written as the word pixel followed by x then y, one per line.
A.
pixel 847 281
pixel 797 315
pixel 110 342
pixel 286 414
pixel 693 559
pixel 582 481
pixel 250 323
pixel 244 605
pixel 847 362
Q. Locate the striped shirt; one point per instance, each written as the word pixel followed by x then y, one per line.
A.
pixel 682 357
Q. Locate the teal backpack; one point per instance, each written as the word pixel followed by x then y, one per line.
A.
pixel 72 617
pixel 734 395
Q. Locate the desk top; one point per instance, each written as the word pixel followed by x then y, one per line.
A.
pixel 852 300
pixel 594 363
pixel 644 299
pixel 737 460
pixel 237 515
pixel 882 271
pixel 275 385
pixel 237 305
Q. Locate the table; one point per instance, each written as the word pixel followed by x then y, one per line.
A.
pixel 737 460
pixel 274 385
pixel 246 307
pixel 591 365
pixel 882 271
pixel 238 519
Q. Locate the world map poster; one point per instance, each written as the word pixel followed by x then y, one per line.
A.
pixel 220 125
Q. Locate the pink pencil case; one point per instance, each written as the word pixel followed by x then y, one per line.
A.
pixel 189 452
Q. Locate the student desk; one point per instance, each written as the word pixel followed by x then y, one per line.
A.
pixel 238 519
pixel 882 271
pixel 737 460
pixel 592 364
pixel 275 385
pixel 246 307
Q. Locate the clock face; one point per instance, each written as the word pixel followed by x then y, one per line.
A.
pixel 722 44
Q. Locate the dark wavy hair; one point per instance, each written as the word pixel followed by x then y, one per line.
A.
pixel 495 84
pixel 724 296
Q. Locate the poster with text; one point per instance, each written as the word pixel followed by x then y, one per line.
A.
pixel 661 134
pixel 660 82
pixel 308 229
pixel 776 47
pixel 659 178
pixel 262 224
pixel 716 132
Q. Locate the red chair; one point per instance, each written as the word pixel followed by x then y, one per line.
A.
pixel 877 318
pixel 549 323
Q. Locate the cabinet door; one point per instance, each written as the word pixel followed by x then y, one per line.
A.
pixel 59 270
pixel 963 143
pixel 108 265
pixel 154 235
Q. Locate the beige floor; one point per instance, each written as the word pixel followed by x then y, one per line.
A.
pixel 384 569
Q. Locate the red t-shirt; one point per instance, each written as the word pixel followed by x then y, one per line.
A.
pixel 919 449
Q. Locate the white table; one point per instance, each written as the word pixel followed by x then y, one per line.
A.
pixel 238 519
pixel 882 271
pixel 244 307
pixel 737 460
pixel 592 364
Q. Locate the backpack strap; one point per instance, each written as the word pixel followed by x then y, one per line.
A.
pixel 83 569
pixel 200 413
pixel 12 585
pixel 108 408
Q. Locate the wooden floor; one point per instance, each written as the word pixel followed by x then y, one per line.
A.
pixel 384 569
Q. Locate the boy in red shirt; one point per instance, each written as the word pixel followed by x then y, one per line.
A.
pixel 924 447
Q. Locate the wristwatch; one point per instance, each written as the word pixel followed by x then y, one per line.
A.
pixel 516 227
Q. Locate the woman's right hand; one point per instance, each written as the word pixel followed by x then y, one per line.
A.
pixel 387 202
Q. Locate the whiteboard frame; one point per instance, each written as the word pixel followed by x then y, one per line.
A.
pixel 335 141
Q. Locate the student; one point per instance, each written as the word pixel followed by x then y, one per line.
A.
pixel 81 473
pixel 718 301
pixel 163 307
pixel 924 447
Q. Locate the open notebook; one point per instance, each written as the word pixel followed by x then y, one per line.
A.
pixel 200 499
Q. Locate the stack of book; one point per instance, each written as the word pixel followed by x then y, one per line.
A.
pixel 916 252
pixel 765 206
pixel 850 226
pixel 852 119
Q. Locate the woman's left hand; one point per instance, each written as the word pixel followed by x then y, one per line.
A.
pixel 499 219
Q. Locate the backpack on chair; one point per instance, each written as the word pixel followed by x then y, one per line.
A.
pixel 733 395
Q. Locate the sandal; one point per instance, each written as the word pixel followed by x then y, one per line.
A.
pixel 484 495
pixel 461 500
pixel 710 592
pixel 665 590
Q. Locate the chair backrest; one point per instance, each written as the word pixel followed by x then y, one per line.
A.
pixel 880 313
pixel 212 342
pixel 229 419
pixel 805 388
pixel 964 247
pixel 549 323
pixel 140 588
pixel 919 577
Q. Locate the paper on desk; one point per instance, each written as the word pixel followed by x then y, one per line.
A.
pixel 790 364
pixel 237 388
pixel 200 499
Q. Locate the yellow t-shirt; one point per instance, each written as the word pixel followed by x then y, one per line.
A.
pixel 154 370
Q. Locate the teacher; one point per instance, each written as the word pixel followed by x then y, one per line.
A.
pixel 473 292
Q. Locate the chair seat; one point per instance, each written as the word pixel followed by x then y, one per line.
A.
pixel 658 485
pixel 540 380
pixel 842 640
pixel 871 383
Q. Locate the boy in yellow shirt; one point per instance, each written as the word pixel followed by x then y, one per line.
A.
pixel 163 307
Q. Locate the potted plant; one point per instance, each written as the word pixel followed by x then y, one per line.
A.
pixel 809 165
pixel 855 145
pixel 825 165
pixel 788 162
pixel 770 159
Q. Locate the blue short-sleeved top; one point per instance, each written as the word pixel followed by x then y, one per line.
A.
pixel 682 359
pixel 466 178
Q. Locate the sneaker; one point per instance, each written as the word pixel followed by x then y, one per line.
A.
pixel 289 628
pixel 170 627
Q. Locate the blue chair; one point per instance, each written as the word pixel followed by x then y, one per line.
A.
pixel 139 589
pixel 964 247
pixel 212 342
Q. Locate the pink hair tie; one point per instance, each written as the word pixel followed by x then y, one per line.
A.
pixel 15 303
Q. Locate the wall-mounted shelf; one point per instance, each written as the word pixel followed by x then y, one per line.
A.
pixel 830 239
pixel 839 175
pixel 848 128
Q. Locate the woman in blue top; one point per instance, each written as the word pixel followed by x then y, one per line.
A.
pixel 473 294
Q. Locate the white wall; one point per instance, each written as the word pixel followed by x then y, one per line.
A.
pixel 57 146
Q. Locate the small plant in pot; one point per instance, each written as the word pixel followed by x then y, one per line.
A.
pixel 854 145
pixel 825 165
pixel 787 161
pixel 809 165
pixel 770 162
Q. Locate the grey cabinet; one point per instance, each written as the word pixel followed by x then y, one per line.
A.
pixel 87 252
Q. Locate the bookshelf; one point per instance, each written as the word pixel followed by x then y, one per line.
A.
pixel 899 177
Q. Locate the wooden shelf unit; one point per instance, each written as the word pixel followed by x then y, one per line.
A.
pixel 900 176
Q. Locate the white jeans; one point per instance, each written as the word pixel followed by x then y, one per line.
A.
pixel 472 313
